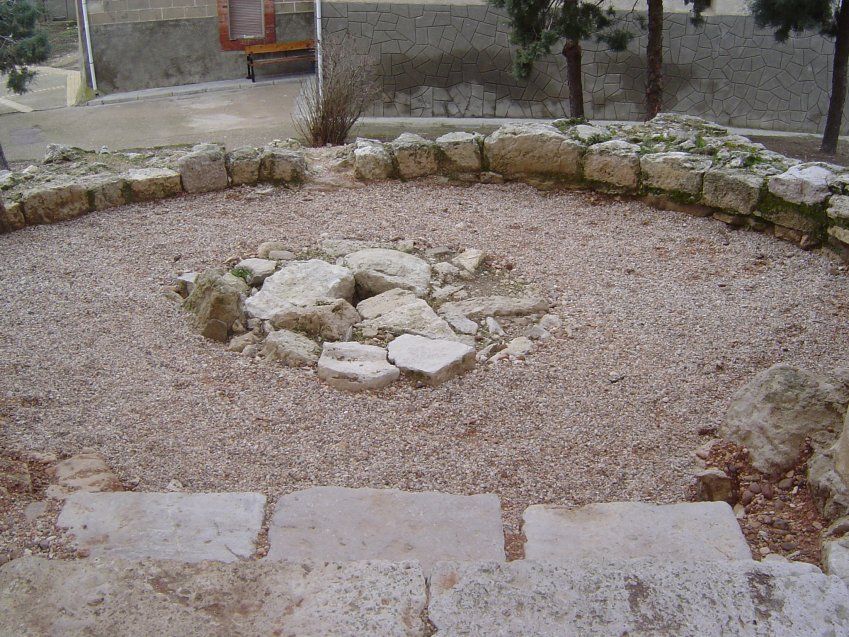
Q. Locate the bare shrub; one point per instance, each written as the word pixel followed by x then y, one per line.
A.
pixel 326 116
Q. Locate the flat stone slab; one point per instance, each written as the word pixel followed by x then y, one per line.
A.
pixel 637 598
pixel 114 597
pixel 189 527
pixel 338 524
pixel 625 530
pixel 432 361
pixel 355 367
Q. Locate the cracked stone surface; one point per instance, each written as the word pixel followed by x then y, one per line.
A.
pixel 432 361
pixel 243 599
pixel 334 523
pixel 355 366
pixel 624 530
pixel 639 598
pixel 190 527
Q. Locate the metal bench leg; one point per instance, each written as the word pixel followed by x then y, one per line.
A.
pixel 251 75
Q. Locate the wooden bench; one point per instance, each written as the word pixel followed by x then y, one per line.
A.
pixel 277 53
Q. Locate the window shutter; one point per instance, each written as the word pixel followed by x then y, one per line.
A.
pixel 246 19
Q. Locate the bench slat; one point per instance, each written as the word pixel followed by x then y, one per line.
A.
pixel 284 59
pixel 280 47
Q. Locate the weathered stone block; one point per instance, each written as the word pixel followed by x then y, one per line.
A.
pixel 637 598
pixel 54 203
pixel 614 163
pixel 243 166
pixel 698 531
pixel 189 527
pixel 462 151
pixel 372 161
pixel 105 191
pixel 353 366
pixel 737 191
pixel 11 216
pixel 415 156
pixel 332 523
pixel 674 172
pixel 281 165
pixel 533 149
pixel 841 234
pixel 433 361
pixel 290 349
pixel 203 169
pixel 805 184
pixel 838 210
pixel 216 304
pixel 147 184
pixel 238 599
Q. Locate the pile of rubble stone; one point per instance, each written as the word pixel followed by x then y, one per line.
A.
pixel 367 313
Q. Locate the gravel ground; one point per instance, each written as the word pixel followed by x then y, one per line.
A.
pixel 93 353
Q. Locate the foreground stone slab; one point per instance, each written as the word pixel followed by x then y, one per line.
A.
pixel 638 598
pixel 625 530
pixel 353 366
pixel 378 270
pixel 148 184
pixel 337 524
pixel 189 527
pixel 301 283
pixel 41 597
pixel 432 361
pixel 480 307
pixel 414 316
pixel 530 148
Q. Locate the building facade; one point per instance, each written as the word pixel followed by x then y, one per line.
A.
pixel 454 59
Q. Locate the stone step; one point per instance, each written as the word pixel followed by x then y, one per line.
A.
pixel 699 531
pixel 632 597
pixel 637 598
pixel 338 524
pixel 318 524
pixel 189 527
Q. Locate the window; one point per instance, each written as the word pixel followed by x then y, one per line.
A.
pixel 246 19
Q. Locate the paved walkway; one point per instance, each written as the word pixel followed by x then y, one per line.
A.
pixel 234 113
pixel 52 88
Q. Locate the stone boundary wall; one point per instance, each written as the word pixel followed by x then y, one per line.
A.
pixel 438 60
pixel 679 162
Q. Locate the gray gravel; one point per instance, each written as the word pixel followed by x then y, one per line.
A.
pixel 93 354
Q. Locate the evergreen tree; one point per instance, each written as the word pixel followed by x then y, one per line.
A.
pixel 831 19
pixel 539 25
pixel 21 43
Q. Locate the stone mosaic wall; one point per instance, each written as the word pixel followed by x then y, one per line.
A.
pixel 455 60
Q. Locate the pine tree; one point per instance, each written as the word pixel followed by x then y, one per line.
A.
pixel 539 25
pixel 22 43
pixel 831 19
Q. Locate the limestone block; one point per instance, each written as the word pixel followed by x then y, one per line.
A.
pixel 781 407
pixel 237 599
pixel 258 269
pixel 372 160
pixel 462 151
pixel 302 283
pixel 480 307
pixel 147 184
pixel 415 156
pixel 333 523
pixel 640 598
pixel 354 366
pixel 105 191
pixel 674 172
pixel 805 184
pixel 11 216
pixel 700 531
pixel 281 165
pixel 329 322
pixel 203 169
pixel 533 149
pixel 433 361
pixel 189 527
pixel 243 166
pixel 737 191
pixel 290 348
pixel 53 203
pixel 377 270
pixel 615 163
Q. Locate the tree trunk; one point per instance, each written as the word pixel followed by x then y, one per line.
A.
pixel 654 59
pixel 4 165
pixel 572 53
pixel 838 82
